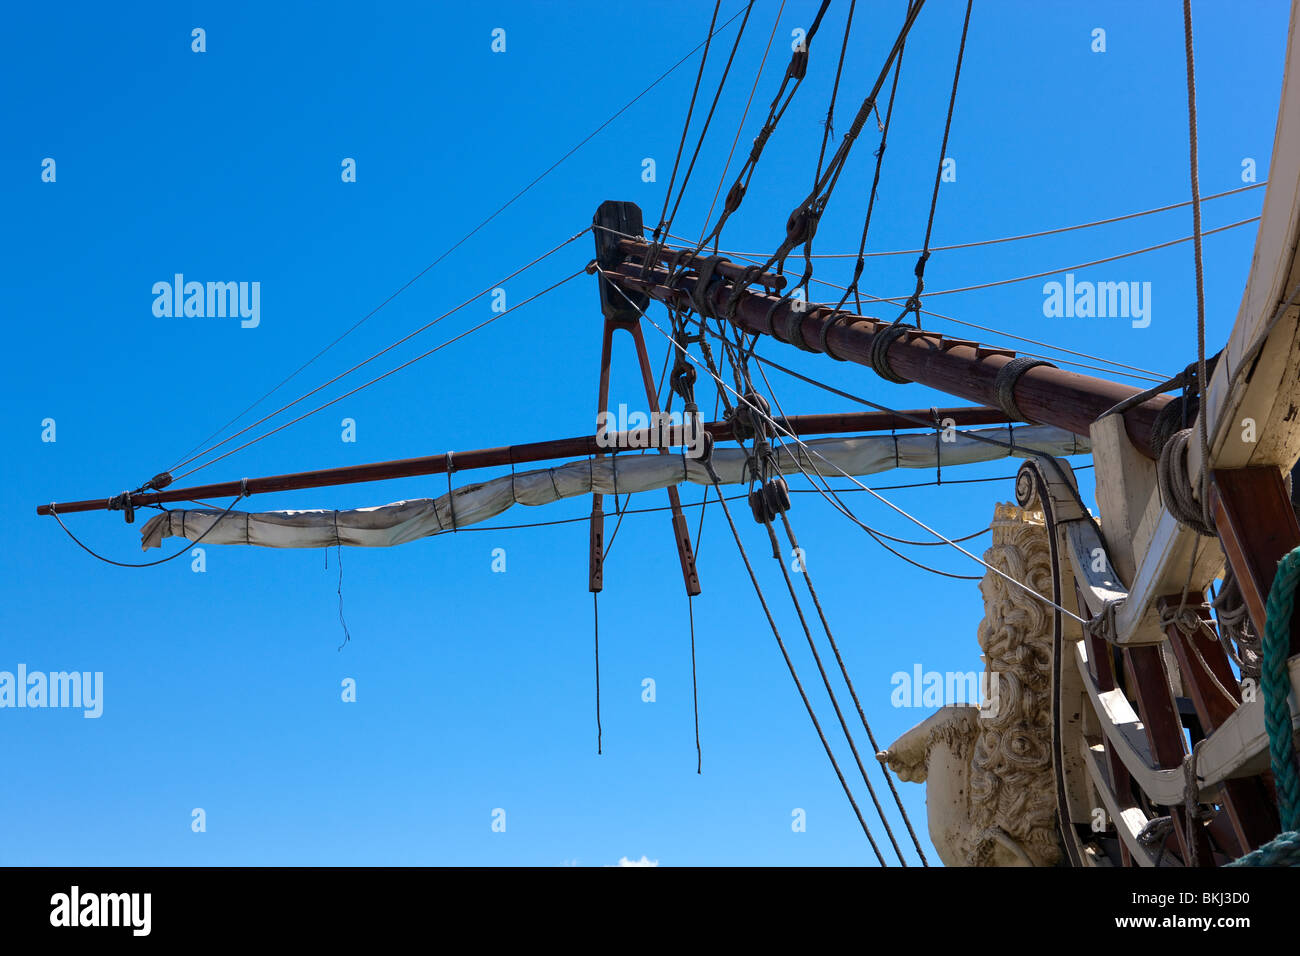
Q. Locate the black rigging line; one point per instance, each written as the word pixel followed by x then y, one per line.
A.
pixel 384 375
pixel 463 239
pixel 826 682
pixel 384 351
pixel 690 610
pixel 834 500
pixel 1051 461
pixel 690 110
pixel 659 391
pixel 758 591
pixel 762 65
pixel 146 564
pixel 835 91
pixel 796 71
pixel 595 617
pixel 709 118
pixel 875 186
pixel 844 671
pixel 914 303
pixel 802 221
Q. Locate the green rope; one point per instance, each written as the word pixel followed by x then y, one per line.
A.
pixel 1276 688
pixel 1280 851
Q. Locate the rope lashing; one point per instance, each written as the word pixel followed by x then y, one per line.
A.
pixel 823 342
pixel 1176 486
pixel 880 343
pixel 1102 625
pixel 1004 386
pixel 1284 850
pixel 451 497
pixel 1192 808
pixel 700 292
pixel 739 288
pixel 123 503
pixel 1174 417
pixel 913 303
pixel 794 327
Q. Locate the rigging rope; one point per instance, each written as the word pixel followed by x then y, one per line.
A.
pixel 384 351
pixel 690 110
pixel 830 691
pixel 709 118
pixel 871 197
pixel 595 617
pixel 752 90
pixel 914 302
pixel 392 371
pixel 829 126
pixel 912 518
pixel 146 564
pixel 758 590
pixel 801 224
pixel 760 439
pixel 1081 265
pixel 463 239
pixel 844 671
pixel 1201 382
pixel 1143 373
pixel 988 242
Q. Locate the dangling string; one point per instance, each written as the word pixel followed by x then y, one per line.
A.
pixel 595 616
pixel 347 636
pixel 695 688
pixel 938 446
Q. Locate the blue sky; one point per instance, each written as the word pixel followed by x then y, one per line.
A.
pixel 474 688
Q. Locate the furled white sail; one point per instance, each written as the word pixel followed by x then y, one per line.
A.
pixel 404 521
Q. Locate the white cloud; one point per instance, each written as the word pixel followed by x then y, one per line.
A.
pixel 644 861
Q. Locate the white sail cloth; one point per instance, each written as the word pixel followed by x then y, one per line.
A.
pixel 403 521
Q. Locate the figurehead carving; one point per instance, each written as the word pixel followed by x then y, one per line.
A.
pixel 990 790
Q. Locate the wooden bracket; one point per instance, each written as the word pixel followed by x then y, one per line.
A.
pixel 620 219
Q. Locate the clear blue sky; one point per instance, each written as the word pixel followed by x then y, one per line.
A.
pixel 475 690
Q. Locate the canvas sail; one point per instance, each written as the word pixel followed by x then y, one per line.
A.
pixel 402 521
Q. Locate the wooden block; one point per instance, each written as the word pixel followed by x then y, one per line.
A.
pixel 1126 482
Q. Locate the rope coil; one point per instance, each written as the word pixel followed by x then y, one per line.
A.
pixel 1008 377
pixel 880 343
pixel 1176 485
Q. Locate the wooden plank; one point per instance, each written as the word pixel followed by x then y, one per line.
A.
pixel 1164 730
pixel 1126 480
pixel 1206 677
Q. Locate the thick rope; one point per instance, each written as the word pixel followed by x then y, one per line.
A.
pixel 1277 688
pixel 758 591
pixel 1201 382
pixel 1284 850
pixel 844 671
pixel 826 681
pixel 1176 487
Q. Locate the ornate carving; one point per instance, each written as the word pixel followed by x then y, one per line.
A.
pixel 991 796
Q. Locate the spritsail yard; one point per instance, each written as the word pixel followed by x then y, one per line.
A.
pixel 1137 721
